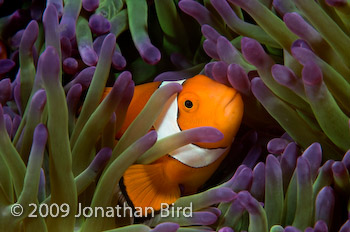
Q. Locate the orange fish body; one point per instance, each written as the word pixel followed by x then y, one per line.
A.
pixel 202 102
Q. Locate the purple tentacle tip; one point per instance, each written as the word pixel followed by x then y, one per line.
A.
pixel 58 5
pixel 214 210
pixel 90 5
pixel 303 170
pixel 254 52
pixel 226 229
pixel 225 50
pixel 206 134
pixel 210 33
pixel 150 54
pixel 277 145
pixel 258 183
pixel 97 45
pixel 29 36
pixel 314 155
pixel 88 55
pixel 207 218
pixel 84 77
pixel 70 65
pixel 339 169
pixel 209 47
pixel 243 180
pixel 320 226
pixel 312 74
pixel 40 134
pixel 73 97
pixel 196 10
pixel 166 226
pixel 118 61
pixel 149 139
pixel 303 55
pixel 120 85
pixel 238 78
pixel 299 26
pixel 283 75
pixel 249 203
pixel 124 77
pixel 259 89
pixel 16 39
pixel 6 65
pixel 346 160
pixel 219 72
pixel 273 169
pixel 209 69
pixel 225 194
pixel 39 100
pixel 99 24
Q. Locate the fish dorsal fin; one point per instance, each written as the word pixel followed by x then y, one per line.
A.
pixel 147 186
pixel 191 155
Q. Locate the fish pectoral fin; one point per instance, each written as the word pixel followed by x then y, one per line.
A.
pixel 147 186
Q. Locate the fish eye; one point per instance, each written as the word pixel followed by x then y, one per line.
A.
pixel 188 104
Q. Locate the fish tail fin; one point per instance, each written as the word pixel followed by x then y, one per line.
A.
pixel 147 186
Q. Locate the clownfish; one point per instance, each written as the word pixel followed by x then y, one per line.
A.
pixel 201 102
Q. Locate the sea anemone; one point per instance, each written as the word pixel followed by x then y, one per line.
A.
pixel 288 59
pixel 302 77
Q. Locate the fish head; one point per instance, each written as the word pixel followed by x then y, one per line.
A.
pixel 205 102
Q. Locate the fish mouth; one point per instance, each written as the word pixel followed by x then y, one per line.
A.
pixel 232 99
pixel 231 105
